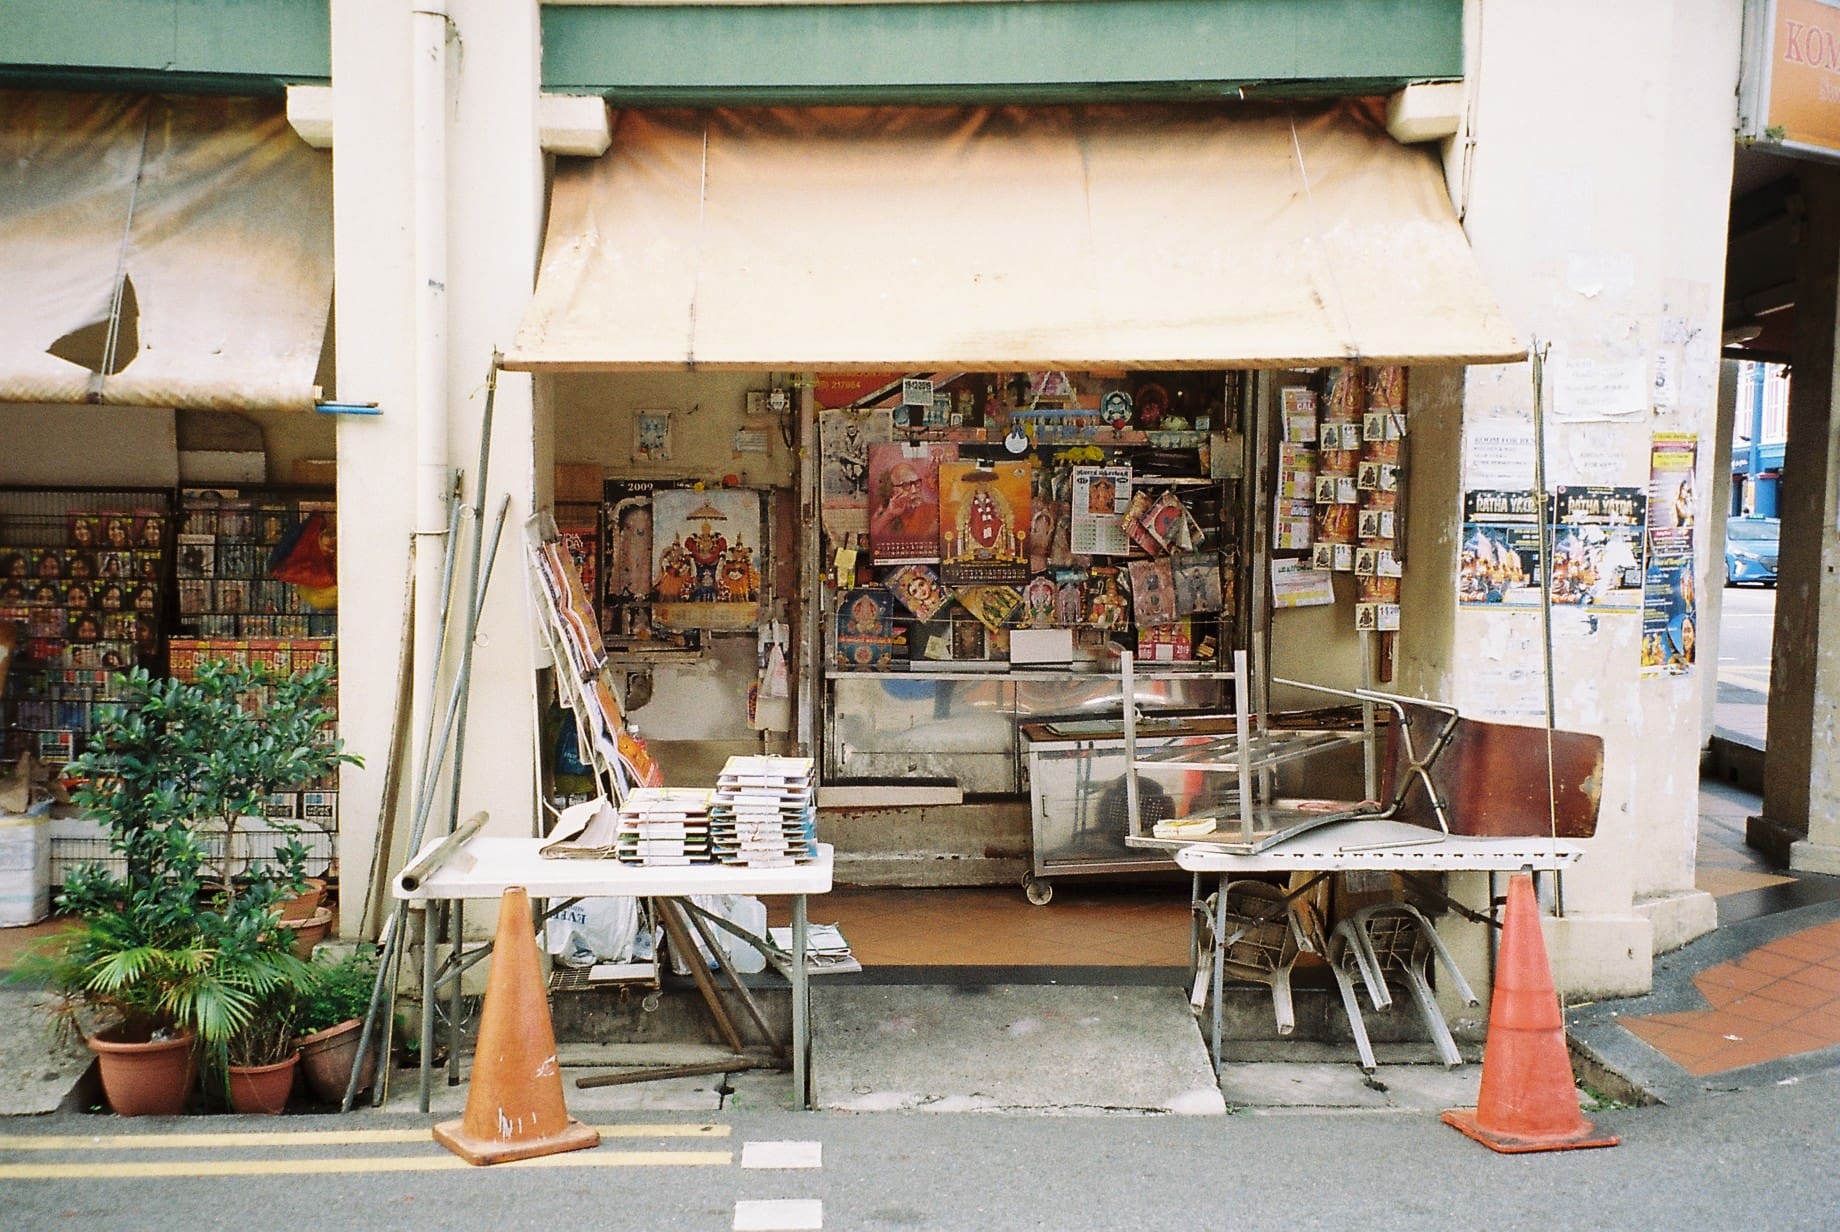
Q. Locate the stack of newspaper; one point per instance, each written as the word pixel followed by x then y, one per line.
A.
pixel 664 825
pixel 825 949
pixel 763 812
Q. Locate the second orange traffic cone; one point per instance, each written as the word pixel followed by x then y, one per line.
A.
pixel 514 1106
pixel 1528 1101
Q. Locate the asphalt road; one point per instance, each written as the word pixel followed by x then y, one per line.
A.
pixel 1746 623
pixel 1760 1159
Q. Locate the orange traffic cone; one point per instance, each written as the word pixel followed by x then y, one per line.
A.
pixel 514 1107
pixel 1527 1101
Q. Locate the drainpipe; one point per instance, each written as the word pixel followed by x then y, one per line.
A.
pixel 1754 461
pixel 433 474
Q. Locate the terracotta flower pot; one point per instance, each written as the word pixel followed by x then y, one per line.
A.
pixel 326 1059
pixel 145 1079
pixel 262 1088
pixel 310 931
pixel 303 906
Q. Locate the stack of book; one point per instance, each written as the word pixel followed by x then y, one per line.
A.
pixel 664 825
pixel 763 812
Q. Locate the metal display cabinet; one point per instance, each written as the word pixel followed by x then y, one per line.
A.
pixel 1078 793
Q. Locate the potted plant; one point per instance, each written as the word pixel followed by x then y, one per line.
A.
pixel 186 942
pixel 330 1019
pixel 261 1060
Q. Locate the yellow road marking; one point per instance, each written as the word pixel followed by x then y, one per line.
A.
pixel 300 1167
pixel 311 1137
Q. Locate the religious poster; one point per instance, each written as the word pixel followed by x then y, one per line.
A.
pixel 865 628
pixel 1153 591
pixel 846 437
pixel 1499 557
pixel 1598 547
pixel 706 558
pixel 904 494
pixel 1669 603
pixel 624 578
pixel 1197 579
pixel 984 519
pixel 917 588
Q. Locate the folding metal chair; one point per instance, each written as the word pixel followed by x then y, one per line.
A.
pixel 1393 939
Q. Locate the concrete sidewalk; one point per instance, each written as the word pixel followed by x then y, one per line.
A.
pixel 1755 1002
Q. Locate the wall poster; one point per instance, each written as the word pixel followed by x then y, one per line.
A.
pixel 904 502
pixel 984 522
pixel 706 558
pixel 1669 606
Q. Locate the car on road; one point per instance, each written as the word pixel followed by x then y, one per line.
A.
pixel 1750 550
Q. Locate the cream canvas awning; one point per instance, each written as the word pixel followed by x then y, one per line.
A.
pixel 977 238
pixel 215 214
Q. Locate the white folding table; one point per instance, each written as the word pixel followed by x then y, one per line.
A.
pixel 486 866
pixel 1373 844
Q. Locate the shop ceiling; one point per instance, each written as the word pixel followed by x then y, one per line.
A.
pixel 742 54
pixel 1760 256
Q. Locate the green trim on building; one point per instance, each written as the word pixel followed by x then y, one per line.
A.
pixel 1049 50
pixel 175 46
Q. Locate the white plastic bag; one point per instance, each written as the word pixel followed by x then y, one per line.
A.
pixel 594 930
pixel 742 909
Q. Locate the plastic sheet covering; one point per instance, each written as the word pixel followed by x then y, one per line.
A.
pixel 214 211
pixel 972 238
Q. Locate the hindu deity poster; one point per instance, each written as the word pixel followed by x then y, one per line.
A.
pixel 984 521
pixel 706 558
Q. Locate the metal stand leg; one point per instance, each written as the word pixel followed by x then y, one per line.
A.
pixel 801 1009
pixel 1220 962
pixel 456 923
pixel 428 995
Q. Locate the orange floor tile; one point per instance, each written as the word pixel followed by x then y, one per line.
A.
pixel 1084 926
pixel 1780 1000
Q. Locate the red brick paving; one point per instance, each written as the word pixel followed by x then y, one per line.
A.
pixel 1780 1000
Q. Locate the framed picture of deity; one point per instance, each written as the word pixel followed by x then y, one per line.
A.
pixel 707 558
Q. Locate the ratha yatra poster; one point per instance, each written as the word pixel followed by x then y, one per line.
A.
pixel 984 521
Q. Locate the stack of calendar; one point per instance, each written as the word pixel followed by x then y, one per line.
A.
pixel 763 812
pixel 664 825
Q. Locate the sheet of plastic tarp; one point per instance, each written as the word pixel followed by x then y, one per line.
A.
pixel 985 237
pixel 212 209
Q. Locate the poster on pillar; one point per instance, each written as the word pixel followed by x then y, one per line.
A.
pixel 706 558
pixel 1669 607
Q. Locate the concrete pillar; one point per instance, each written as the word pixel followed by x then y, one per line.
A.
pixel 1800 823
pixel 1712 599
pixel 1597 210
pixel 493 217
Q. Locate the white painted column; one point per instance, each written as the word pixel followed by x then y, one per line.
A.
pixel 491 187
pixel 373 252
pixel 1598 172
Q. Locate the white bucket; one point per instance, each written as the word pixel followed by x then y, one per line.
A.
pixel 25 867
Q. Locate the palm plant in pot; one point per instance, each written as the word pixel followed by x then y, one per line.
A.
pixel 185 943
pixel 330 1020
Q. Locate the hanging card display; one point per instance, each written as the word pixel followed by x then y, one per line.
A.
pixel 984 518
pixel 1197 580
pixel 1153 591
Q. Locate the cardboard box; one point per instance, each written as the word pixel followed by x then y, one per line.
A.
pixel 321 807
pixel 578 483
pixel 316 470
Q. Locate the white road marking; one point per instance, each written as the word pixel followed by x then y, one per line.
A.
pixel 782 1155
pixel 779 1215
